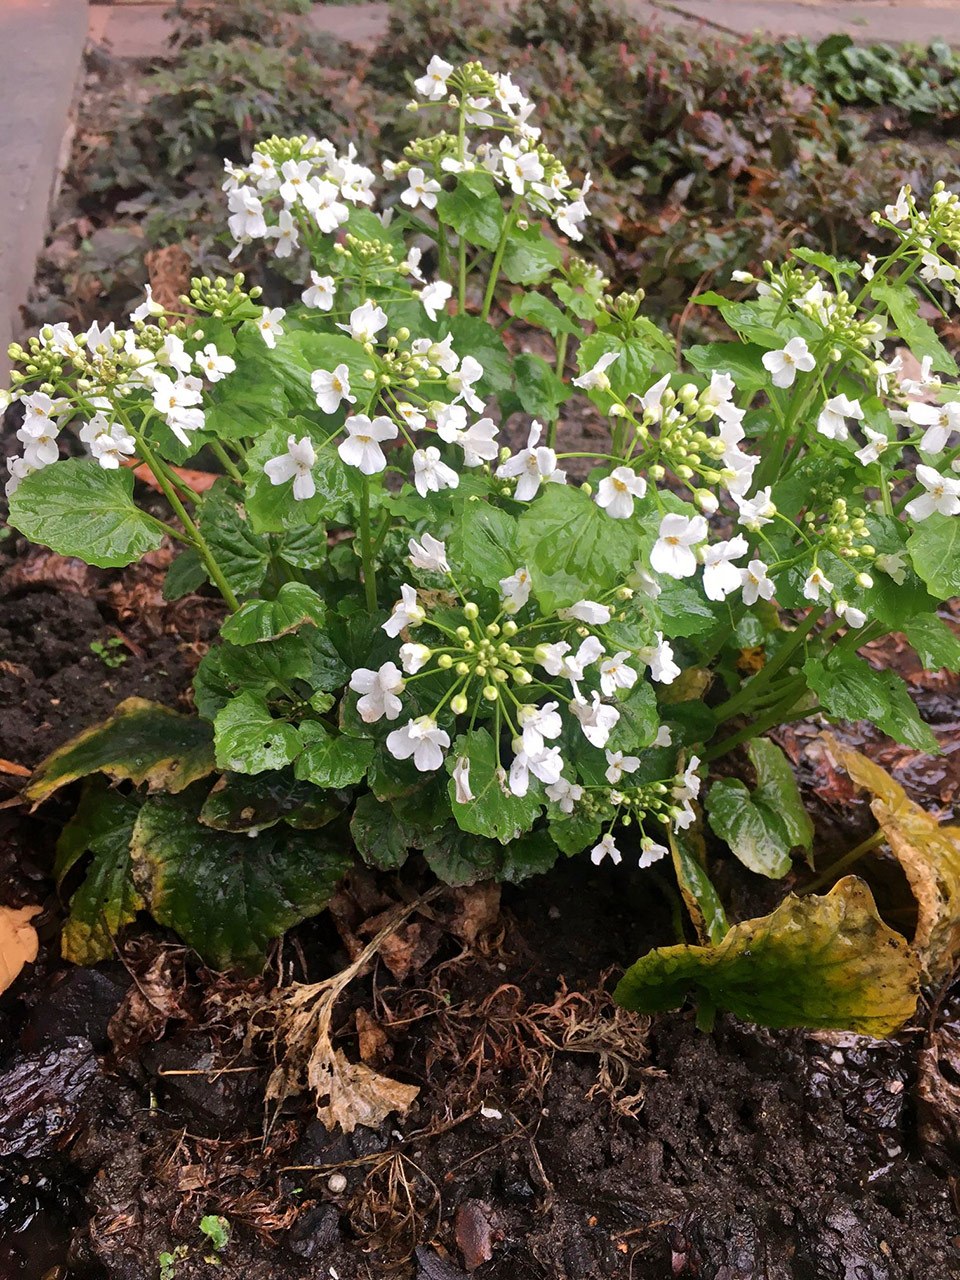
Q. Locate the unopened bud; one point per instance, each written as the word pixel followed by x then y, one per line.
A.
pixel 459 704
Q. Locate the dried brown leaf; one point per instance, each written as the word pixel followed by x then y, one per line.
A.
pixel 18 942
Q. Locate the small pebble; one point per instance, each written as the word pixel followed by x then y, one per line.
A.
pixel 336 1184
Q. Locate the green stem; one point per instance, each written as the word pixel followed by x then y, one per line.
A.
pixel 161 473
pixel 742 700
pixel 366 548
pixel 854 855
pixel 498 262
pixel 778 714
pixel 226 461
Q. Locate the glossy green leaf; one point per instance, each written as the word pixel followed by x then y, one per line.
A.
pixel 539 390
pixel 241 553
pixel 822 962
pixel 494 811
pixel 696 888
pixel 485 544
pixel 530 256
pixel 473 208
pixel 382 839
pixel 247 738
pixel 538 310
pixel 78 509
pixel 742 360
pixel 185 575
pixel 263 669
pixel 226 895
pixel 778 792
pixel 934 547
pixel 904 307
pixel 252 802
pixel 936 643
pixel 458 858
pixel 332 759
pixel 754 833
pixel 141 742
pixel 295 605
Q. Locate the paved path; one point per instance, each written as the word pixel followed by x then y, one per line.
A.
pixel 885 20
pixel 41 47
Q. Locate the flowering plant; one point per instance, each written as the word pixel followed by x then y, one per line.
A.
pixel 488 647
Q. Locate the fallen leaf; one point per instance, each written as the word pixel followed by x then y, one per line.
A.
pixel 18 942
pixel 814 962
pixel 375 1045
pixel 198 481
pixel 929 854
pixel 474 1233
pixel 18 770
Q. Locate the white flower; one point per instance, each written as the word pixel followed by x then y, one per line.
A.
pixel 547 766
pixel 941 422
pixel 379 691
pixel 146 308
pixel 672 552
pixel 942 495
pixel 110 447
pixel 42 414
pixel 174 353
pixel 566 794
pixel 587 611
pixel 618 764
pixel 851 616
pixel 429 553
pixel 756 583
pixel 296 174
pixel 515 590
pixel 644 582
pixel 597 720
pixel 558 660
pixel 415 419
pixel 177 402
pixel 431 473
pixel 285 233
pixel 40 448
pixel 616 492
pixel 652 399
pixel 596 379
pixel 331 389
pixel 19 469
pixel 321 200
pixel 320 293
pixel 783 365
pixel 297 465
pixel 246 222
pixel 422 190
pixel 532 465
pixel 757 511
pixel 421 739
pixel 366 321
pixel 263 170
pixel 461 783
pixel 414 657
pixel 877 446
pixel 651 852
pixel 461 382
pixel 520 167
pixel 479 442
pixel 538 723
pixel 832 421
pixel 213 365
pixel 928 380
pixel 720 575
pixel 433 84
pixel 406 613
pixel 270 326
pixel 435 297
pixel 899 211
pixel 894 566
pixel 439 353
pixel 606 848
pixel 569 216
pixel 664 737
pixel 816 582
pixel 659 658
pixel 615 674
pixel 362 449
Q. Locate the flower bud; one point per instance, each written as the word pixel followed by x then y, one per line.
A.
pixel 521 675
pixel 463 633
pixel 490 692
pixel 864 580
pixel 471 611
pixel 459 704
pixel 462 669
pixel 445 661
pixel 510 628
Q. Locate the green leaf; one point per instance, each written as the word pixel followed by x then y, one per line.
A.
pixel 473 209
pixel 475 337
pixel 821 962
pixel 753 832
pixel 247 738
pixel 538 310
pixel 141 742
pixel 642 357
pixel 241 553
pixel 272 508
pixel 303 351
pixel 107 899
pixel 539 390
pixel 382 840
pixel 639 719
pixel 458 858
pixel 330 759
pixel 572 548
pixel 778 792
pixel 934 547
pixel 253 396
pixel 259 620
pixel 494 811
pixel 243 802
pixel 262 669
pixel 850 689
pixel 904 307
pixel 485 544
pixel 936 643
pixel 576 832
pixel 185 575
pixel 701 898
pixel 742 360
pixel 529 256
pixel 226 895
pixel 78 509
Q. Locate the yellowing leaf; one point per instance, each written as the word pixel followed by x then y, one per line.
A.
pixel 814 962
pixel 929 854
pixel 18 942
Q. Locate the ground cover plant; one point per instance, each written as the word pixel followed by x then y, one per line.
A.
pixel 439 641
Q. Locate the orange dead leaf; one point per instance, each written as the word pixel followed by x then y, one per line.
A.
pixel 18 942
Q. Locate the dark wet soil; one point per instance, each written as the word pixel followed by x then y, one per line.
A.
pixel 607 1147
